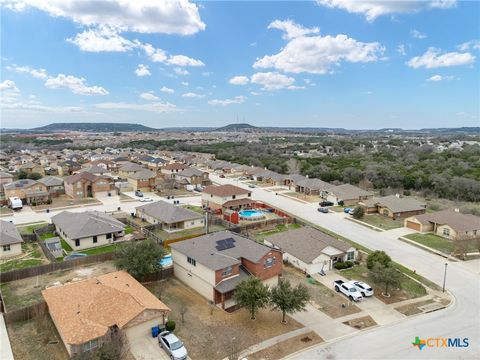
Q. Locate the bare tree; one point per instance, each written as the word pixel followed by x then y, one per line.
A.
pixel 232 339
pixel 183 311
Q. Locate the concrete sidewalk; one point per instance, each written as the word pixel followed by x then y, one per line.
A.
pixel 5 347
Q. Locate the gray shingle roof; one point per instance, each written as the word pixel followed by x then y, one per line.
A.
pixel 9 234
pixel 456 220
pixel 51 181
pixel 398 204
pixel 314 184
pixel 230 284
pixel 203 250
pixel 190 172
pixel 167 213
pixel 20 184
pixel 348 191
pixel 85 224
pixel 306 243
pixel 142 174
pixel 131 167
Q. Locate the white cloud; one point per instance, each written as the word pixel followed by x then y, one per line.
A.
pixel 239 80
pixel 8 85
pixel 292 30
pixel 37 107
pixel 434 58
pixel 372 9
pixel 272 80
pixel 418 34
pixel 142 16
pixel 401 50
pixel 254 93
pixel 193 95
pixel 182 60
pixel 472 44
pixel 180 71
pixel 103 38
pixel 76 85
pixel 149 96
pixel 167 90
pixel 142 70
pixel 36 73
pixel 184 83
pixel 437 78
pixel 226 102
pixel 319 54
pixel 158 107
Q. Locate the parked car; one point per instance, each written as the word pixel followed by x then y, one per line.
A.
pixel 172 345
pixel 351 212
pixel 146 199
pixel 325 203
pixel 251 186
pixel 222 176
pixel 138 193
pixel 347 210
pixel 323 210
pixel 347 289
pixel 365 289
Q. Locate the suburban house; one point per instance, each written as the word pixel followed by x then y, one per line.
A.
pixel 312 186
pixel 214 264
pixel 170 217
pixel 226 197
pixel 450 223
pixel 171 169
pixel 153 163
pixel 394 206
pixel 128 169
pixel 97 170
pixel 10 240
pixel 311 250
pixel 349 194
pixel 31 168
pixel 54 185
pixel 87 313
pixel 5 178
pixel 192 176
pixel 68 167
pixel 292 179
pixel 143 180
pixel 85 185
pixel 31 192
pixel 88 229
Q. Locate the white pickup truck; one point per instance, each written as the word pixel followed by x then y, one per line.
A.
pixel 347 289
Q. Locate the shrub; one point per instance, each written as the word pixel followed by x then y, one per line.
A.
pixel 341 202
pixel 358 212
pixel 380 257
pixel 170 325
pixel 343 265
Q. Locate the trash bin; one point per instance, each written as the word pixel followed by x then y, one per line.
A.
pixel 109 194
pixel 118 208
pixel 48 210
pixel 155 331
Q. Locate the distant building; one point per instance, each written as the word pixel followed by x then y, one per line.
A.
pixel 394 206
pixel 54 185
pixel 349 194
pixel 226 197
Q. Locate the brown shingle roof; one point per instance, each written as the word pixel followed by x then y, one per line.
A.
pixel 84 310
pixel 225 190
pixel 456 220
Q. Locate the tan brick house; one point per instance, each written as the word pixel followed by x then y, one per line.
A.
pixel 85 185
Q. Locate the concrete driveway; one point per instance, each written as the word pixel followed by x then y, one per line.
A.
pixel 147 348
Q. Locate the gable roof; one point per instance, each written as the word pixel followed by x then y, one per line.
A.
pixel 129 167
pixel 314 184
pixel 204 250
pixel 85 224
pixel 348 191
pixel 20 184
pixel 9 234
pixel 398 204
pixel 189 172
pixel 174 166
pixel 307 243
pixel 84 175
pixel 167 213
pixel 94 169
pixel 51 181
pixel 456 220
pixel 225 190
pixel 85 310
pixel 142 174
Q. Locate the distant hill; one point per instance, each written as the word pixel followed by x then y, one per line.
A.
pixel 94 127
pixel 238 127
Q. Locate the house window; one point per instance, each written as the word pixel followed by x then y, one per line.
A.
pixel 446 231
pixel 211 195
pixel 350 255
pixel 385 212
pixel 192 223
pixel 109 236
pixel 6 247
pixel 249 194
pixel 227 271
pixel 191 261
pixel 234 196
pixel 89 346
pixel 269 262
pixel 77 242
pixel 95 240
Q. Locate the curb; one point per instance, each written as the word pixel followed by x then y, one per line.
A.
pixel 426 248
pixel 67 207
pixel 365 224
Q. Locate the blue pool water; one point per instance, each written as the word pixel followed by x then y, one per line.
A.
pixel 166 261
pixel 251 213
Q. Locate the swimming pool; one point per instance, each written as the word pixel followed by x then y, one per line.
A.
pixel 251 214
pixel 166 261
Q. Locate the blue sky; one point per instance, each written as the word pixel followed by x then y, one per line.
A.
pixel 326 63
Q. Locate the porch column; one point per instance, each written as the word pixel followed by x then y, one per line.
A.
pixel 223 301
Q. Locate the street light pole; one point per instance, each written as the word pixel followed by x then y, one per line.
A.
pixel 444 277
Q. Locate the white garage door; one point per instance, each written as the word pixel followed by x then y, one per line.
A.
pixel 143 329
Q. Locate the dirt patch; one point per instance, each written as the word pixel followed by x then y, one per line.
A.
pixel 323 298
pixel 26 292
pixel 206 327
pixel 303 197
pixel 361 323
pixel 413 309
pixel 64 200
pixel 287 347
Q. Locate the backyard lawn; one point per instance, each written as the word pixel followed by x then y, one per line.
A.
pixel 382 222
pixel 198 231
pixel 32 256
pixel 47 236
pixel 101 249
pixel 260 236
pixel 128 230
pixel 433 241
pixel 409 288
pixel 28 230
pixel 197 209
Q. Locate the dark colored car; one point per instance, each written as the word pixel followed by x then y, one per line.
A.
pixel 323 210
pixel 222 176
pixel 325 203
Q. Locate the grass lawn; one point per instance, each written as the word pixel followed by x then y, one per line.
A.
pixel 47 236
pixel 412 309
pixel 32 256
pixel 197 209
pixel 433 241
pixel 260 236
pixel 101 249
pixel 198 231
pixel 382 222
pixel 65 246
pixel 128 230
pixel 207 328
pixel 323 298
pixel 409 289
pixel 29 229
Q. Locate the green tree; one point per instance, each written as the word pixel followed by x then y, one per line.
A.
pixel 140 258
pixel 380 257
pixel 252 294
pixel 22 174
pixel 289 299
pixel 358 212
pixel 388 276
pixel 34 176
